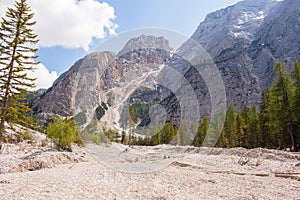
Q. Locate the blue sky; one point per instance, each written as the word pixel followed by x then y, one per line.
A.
pixel 118 16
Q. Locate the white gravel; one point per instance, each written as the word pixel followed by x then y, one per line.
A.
pixel 163 172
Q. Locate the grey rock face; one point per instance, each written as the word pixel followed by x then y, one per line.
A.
pixel 277 40
pixel 146 42
pixel 103 77
pixel 77 89
pixel 246 40
pixel 221 29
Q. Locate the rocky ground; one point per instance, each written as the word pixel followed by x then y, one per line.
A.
pixel 114 171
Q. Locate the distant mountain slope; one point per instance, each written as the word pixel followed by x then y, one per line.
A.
pixel 235 24
pixel 245 40
pixel 104 79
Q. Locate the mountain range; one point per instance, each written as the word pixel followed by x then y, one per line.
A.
pixel 244 41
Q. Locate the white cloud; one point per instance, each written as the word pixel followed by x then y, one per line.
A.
pixel 44 78
pixel 70 23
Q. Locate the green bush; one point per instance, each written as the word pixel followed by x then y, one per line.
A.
pixel 63 132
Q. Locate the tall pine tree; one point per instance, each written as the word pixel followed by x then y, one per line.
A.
pixel 282 122
pixel 16 59
pixel 268 139
pixel 253 129
pixel 240 130
pixel 296 102
pixel 202 132
pixel 230 126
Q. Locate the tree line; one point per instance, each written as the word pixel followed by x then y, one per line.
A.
pixel 275 123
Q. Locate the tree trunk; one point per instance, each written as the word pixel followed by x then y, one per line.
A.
pixel 293 139
pixel 2 128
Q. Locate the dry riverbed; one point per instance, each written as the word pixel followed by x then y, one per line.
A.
pixel 116 171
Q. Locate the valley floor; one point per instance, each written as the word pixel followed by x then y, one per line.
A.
pixel 164 172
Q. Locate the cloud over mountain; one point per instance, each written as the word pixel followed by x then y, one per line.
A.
pixel 44 78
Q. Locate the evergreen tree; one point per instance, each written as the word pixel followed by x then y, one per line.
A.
pixel 156 135
pixel 253 129
pixel 185 137
pixel 268 139
pixel 246 117
pixel 296 102
pixel 132 113
pixel 222 141
pixel 281 107
pixel 240 130
pixel 230 126
pixel 16 58
pixel 202 131
pixel 176 140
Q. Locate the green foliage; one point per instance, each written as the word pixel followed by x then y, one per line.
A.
pixel 141 111
pixel 168 132
pixel 268 139
pixel 112 135
pixel 132 114
pixel 16 58
pixel 240 130
pixel 230 127
pixel 185 137
pixel 156 134
pixel 296 102
pixel 280 107
pixel 63 132
pixel 202 131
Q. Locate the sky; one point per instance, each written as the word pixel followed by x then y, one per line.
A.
pixel 70 29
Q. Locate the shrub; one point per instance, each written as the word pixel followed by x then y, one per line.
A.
pixel 63 132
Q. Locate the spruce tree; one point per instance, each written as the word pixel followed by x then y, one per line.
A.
pixel 202 132
pixel 253 128
pixel 240 130
pixel 230 126
pixel 185 136
pixel 296 102
pixel 268 139
pixel 281 107
pixel 16 59
pixel 246 117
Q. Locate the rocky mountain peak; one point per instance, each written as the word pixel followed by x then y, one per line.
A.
pixel 241 21
pixel 146 42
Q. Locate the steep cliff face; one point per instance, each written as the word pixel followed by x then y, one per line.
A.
pixel 77 89
pixel 278 39
pixel 104 78
pixel 235 24
pixel 244 41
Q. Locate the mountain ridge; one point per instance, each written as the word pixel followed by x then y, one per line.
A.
pixel 243 41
